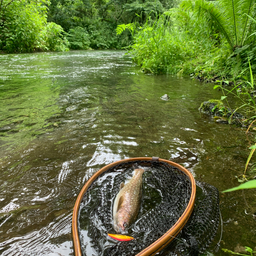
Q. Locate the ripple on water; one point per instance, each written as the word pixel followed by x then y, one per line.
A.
pixel 54 239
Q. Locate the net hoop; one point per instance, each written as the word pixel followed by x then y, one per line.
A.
pixel 165 239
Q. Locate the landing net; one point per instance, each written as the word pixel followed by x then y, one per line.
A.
pixel 166 201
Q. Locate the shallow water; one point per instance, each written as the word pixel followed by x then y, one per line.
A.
pixel 65 115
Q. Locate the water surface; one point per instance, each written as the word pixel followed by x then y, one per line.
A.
pixel 63 116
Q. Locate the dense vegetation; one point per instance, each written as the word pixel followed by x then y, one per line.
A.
pixel 24 27
pixel 210 39
pixel 96 20
pixel 58 25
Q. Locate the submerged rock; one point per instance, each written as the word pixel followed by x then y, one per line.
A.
pixel 165 97
pixel 240 249
pixel 221 113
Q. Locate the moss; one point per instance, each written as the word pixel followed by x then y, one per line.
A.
pixel 221 113
pixel 214 107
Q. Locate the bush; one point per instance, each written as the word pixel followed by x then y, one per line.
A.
pixel 162 47
pixel 178 43
pixel 24 28
pixel 103 36
pixel 53 38
pixel 78 38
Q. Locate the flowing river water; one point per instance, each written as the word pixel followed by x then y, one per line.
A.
pixel 63 116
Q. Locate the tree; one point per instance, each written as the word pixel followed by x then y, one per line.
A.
pixel 24 27
pixel 99 18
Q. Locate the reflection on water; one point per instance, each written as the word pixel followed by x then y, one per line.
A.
pixel 65 115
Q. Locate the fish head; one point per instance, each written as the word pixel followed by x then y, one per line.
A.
pixel 122 221
pixel 138 171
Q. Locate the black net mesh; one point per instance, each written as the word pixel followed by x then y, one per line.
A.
pixel 202 226
pixel 166 193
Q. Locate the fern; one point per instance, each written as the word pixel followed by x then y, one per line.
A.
pixel 250 5
pixel 229 17
pixel 121 28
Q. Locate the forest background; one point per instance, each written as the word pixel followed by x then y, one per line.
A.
pixel 42 25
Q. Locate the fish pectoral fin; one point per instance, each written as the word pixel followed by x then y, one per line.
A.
pixel 121 199
pixel 121 185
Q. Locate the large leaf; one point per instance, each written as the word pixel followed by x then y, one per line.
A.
pixel 214 15
pixel 248 185
pixel 248 8
pixel 229 17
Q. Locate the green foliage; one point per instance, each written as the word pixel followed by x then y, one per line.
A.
pixel 248 185
pixel 53 38
pixel 230 18
pixel 252 148
pixel 24 27
pixel 122 27
pixel 103 35
pixel 78 38
pixel 234 23
pixel 101 18
pixel 242 92
pixel 208 39
pixel 167 45
pixel 70 14
pixel 247 249
pixel 140 11
pixel 32 25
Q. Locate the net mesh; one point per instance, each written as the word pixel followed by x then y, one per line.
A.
pixel 166 193
pixel 202 226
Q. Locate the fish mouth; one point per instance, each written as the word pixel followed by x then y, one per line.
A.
pixel 119 229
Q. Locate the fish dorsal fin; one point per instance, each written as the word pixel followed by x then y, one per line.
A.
pixel 121 185
pixel 121 199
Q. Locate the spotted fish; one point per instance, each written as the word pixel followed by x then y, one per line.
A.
pixel 127 202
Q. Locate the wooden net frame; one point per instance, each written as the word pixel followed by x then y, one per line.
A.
pixel 166 238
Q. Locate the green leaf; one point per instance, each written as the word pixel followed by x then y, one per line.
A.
pixel 223 97
pixel 122 27
pixel 250 156
pixel 251 75
pixel 248 249
pixel 248 185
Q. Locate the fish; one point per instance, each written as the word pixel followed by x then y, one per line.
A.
pixel 127 202
pixel 121 237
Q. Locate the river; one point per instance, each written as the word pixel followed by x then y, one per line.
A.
pixel 63 116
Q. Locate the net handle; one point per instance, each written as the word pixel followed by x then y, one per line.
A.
pixel 165 239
